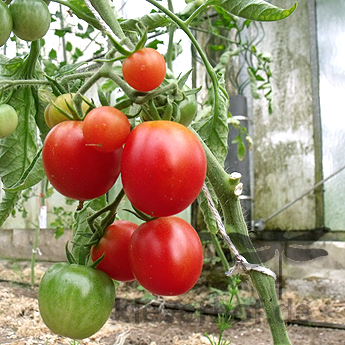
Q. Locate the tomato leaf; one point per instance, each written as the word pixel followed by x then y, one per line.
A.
pixel 80 9
pixel 19 149
pixel 150 21
pixel 67 69
pixel 257 10
pixel 214 129
pixel 32 175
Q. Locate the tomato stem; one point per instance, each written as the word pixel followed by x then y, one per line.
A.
pixel 111 208
pixel 226 188
pixel 31 60
pixel 108 14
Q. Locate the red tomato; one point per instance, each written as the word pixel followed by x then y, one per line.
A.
pixel 74 169
pixel 115 246
pixel 144 70
pixel 163 167
pixel 106 128
pixel 166 256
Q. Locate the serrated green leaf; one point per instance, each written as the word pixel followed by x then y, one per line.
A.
pixel 241 150
pixel 19 149
pixel 32 175
pixel 253 83
pixel 67 69
pixel 214 129
pixel 7 204
pixel 150 21
pixel 80 9
pixel 258 10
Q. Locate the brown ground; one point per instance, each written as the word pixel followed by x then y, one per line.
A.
pixel 20 322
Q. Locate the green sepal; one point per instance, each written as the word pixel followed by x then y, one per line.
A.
pixel 168 111
pixel 118 46
pixel 94 264
pixel 57 88
pixel 102 98
pixel 69 255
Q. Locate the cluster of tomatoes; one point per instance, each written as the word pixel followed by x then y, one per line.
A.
pixel 162 166
pixel 29 20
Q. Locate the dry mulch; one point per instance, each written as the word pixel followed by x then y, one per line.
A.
pixel 21 324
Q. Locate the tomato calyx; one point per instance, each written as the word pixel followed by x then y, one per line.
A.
pixel 140 215
pixel 176 104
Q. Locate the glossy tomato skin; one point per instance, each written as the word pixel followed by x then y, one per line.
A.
pixel 31 19
pixel 106 128
pixel 8 120
pixel 166 256
pixel 6 23
pixel 114 244
pixel 144 70
pixel 74 169
pixel 75 301
pixel 53 116
pixel 163 168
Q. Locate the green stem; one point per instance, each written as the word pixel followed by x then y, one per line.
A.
pixel 108 14
pixel 31 82
pixel 31 60
pixel 225 187
pixel 111 208
pixel 172 28
pixel 200 9
pixel 33 255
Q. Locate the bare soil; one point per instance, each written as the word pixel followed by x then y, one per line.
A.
pixel 164 322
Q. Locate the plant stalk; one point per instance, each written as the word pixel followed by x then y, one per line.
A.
pixel 225 188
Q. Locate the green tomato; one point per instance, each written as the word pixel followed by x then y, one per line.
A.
pixel 53 116
pixel 8 120
pixel 6 23
pixel 75 301
pixel 188 108
pixel 31 19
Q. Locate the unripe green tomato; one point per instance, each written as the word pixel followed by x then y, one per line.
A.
pixel 6 23
pixel 31 19
pixel 53 116
pixel 188 108
pixel 8 120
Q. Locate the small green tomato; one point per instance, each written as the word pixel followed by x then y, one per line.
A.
pixel 8 120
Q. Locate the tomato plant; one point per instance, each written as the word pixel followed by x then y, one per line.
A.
pixel 163 168
pixel 53 116
pixel 114 244
pixel 74 169
pixel 166 256
pixel 8 120
pixel 31 19
pixel 6 23
pixel 74 300
pixel 163 164
pixel 106 128
pixel 144 70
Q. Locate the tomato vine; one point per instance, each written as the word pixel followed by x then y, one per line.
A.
pixel 79 171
